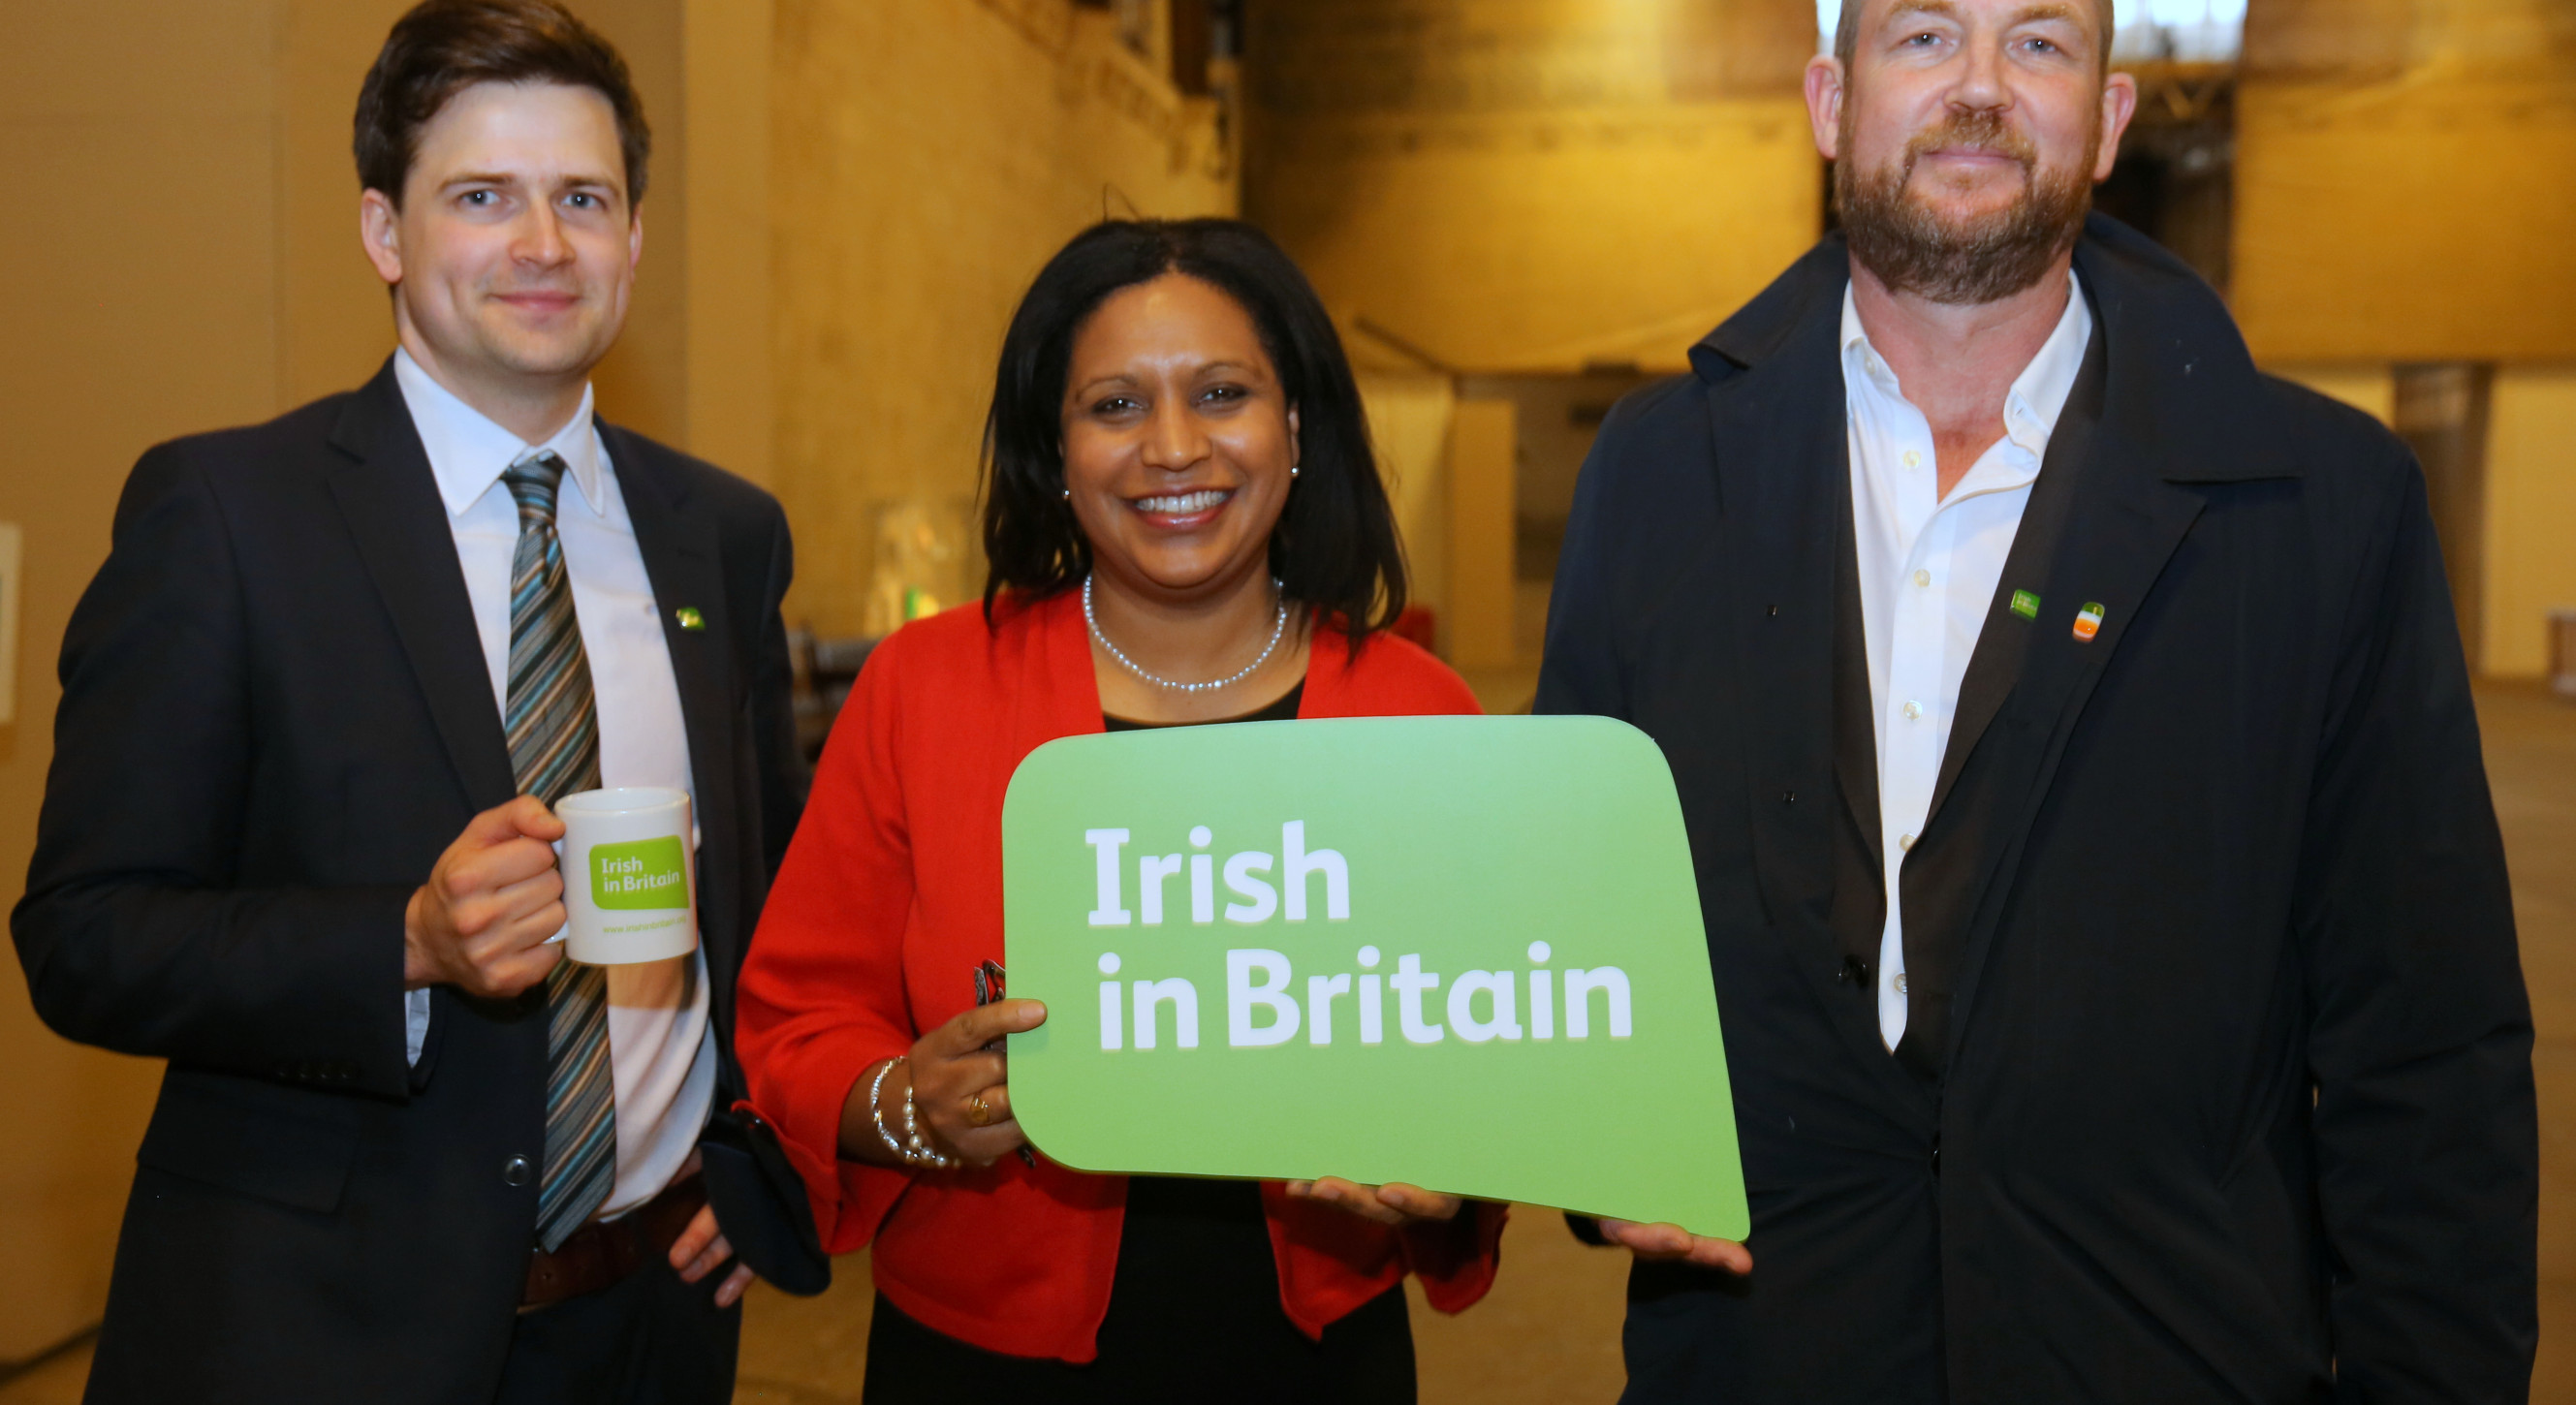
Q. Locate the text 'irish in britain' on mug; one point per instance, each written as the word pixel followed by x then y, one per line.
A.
pixel 629 868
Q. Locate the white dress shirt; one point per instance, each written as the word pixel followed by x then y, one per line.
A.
pixel 1928 571
pixel 661 1047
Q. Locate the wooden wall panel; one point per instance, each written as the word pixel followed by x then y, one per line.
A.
pixel 1484 441
pixel 926 161
pixel 2416 214
pixel 142 303
pixel 1532 185
pixel 2343 40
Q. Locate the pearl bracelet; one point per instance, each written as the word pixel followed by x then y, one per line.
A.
pixel 911 1149
pixel 929 1155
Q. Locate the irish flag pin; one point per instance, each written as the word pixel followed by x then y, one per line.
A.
pixel 2088 621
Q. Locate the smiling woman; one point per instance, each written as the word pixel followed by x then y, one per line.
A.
pixel 1185 525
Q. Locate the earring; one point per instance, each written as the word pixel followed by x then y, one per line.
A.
pixel 1068 495
pixel 1292 470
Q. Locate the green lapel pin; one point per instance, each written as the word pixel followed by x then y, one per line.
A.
pixel 2025 603
pixel 689 617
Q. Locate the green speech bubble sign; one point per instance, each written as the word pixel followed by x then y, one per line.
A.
pixel 1234 929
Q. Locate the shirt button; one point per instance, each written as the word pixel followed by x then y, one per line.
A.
pixel 1923 578
pixel 517 1171
pixel 1905 843
pixel 1913 459
pixel 1913 710
pixel 1900 982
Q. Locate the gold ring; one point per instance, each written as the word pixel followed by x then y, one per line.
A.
pixel 978 1112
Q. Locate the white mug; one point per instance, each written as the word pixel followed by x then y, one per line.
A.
pixel 630 875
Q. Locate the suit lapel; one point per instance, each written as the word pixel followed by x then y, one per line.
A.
pixel 2006 639
pixel 685 565
pixel 1777 438
pixel 2123 526
pixel 1855 712
pixel 1782 454
pixel 389 498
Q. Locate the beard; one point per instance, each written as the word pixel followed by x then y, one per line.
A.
pixel 1978 259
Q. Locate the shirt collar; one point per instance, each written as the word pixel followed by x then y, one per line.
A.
pixel 468 452
pixel 2038 394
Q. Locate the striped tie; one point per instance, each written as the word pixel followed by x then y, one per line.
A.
pixel 554 752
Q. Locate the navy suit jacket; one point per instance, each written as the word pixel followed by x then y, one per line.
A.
pixel 275 716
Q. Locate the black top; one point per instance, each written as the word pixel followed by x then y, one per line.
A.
pixel 1280 709
pixel 1194 1310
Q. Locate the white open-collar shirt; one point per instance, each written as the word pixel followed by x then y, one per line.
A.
pixel 661 1045
pixel 1928 570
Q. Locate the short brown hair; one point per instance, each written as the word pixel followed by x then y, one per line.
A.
pixel 1847 32
pixel 443 47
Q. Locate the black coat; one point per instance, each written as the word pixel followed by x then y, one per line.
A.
pixel 276 714
pixel 2235 1099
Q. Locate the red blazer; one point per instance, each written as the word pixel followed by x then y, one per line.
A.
pixel 892 892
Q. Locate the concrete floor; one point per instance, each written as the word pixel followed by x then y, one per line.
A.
pixel 1549 1333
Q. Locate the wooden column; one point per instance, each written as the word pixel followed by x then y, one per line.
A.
pixel 1484 449
pixel 2442 414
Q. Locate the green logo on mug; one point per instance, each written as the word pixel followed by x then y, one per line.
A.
pixel 643 873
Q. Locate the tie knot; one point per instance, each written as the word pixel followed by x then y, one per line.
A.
pixel 534 482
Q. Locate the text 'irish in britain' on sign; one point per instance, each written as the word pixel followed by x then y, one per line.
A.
pixel 1411 949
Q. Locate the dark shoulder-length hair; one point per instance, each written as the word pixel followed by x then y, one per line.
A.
pixel 1335 548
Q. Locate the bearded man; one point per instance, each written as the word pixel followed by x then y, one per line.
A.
pixel 2106 906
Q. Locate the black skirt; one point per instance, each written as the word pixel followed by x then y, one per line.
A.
pixel 1193 1315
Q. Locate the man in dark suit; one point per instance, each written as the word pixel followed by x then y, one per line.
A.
pixel 2107 911
pixel 316 707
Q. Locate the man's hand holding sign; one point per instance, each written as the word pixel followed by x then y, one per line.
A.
pixel 1402 951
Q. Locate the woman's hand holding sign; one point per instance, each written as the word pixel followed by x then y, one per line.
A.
pixel 957 1082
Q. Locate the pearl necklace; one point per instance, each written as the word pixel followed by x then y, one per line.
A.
pixel 1277 628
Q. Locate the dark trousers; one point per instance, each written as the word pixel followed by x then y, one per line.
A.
pixel 651 1340
pixel 1364 1359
